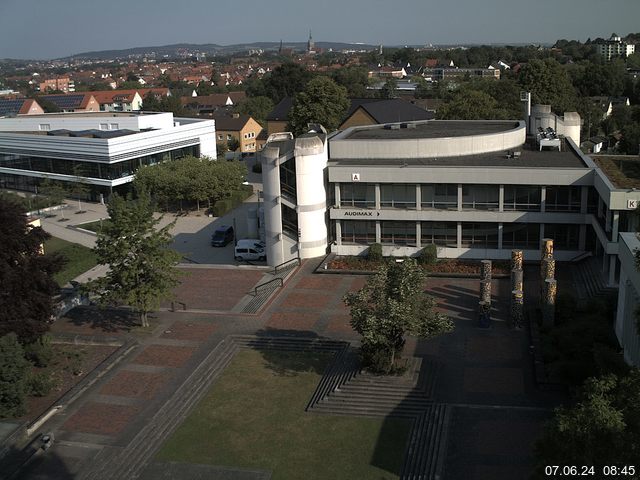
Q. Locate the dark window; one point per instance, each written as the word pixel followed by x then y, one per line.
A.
pixel 565 237
pixel 362 195
pixel 442 196
pixel 398 233
pixel 562 199
pixel 439 233
pixel 480 197
pixel 289 221
pixel 479 235
pixel 521 198
pixel 521 235
pixel 400 195
pixel 288 179
pixel 358 232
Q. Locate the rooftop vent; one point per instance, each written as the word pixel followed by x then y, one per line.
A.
pixel 408 125
pixel 392 126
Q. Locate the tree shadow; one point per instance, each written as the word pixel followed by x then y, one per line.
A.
pixel 111 320
pixel 34 463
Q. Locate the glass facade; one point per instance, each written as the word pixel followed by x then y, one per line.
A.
pixel 104 171
pixel 521 235
pixel 562 199
pixel 288 179
pixel 398 233
pixel 521 198
pixel 361 195
pixel 479 235
pixel 362 233
pixel 444 234
pixel 441 196
pixel 565 237
pixel 399 195
pixel 289 221
pixel 480 197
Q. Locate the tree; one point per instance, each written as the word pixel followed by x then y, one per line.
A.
pixel 284 81
pixel 79 187
pixel 26 282
pixel 549 84
pixel 393 303
pixel 257 107
pixel 141 266
pixel 602 428
pixel 13 374
pixel 354 79
pixel 471 105
pixel 323 102
pixel 233 144
pixel 389 89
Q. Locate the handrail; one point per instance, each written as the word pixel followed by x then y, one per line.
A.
pixel 255 290
pixel 275 270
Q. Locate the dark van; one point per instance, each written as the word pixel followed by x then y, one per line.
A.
pixel 222 236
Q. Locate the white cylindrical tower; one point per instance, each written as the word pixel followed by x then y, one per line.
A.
pixel 271 205
pixel 311 160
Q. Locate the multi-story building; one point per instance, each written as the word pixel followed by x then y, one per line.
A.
pixel 101 150
pixel 615 47
pixel 64 84
pixel 242 128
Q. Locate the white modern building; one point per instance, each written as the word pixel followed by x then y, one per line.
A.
pixel 105 149
pixel 627 323
pixel 615 47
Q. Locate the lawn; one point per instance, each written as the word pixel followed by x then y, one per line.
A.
pixel 253 417
pixel 79 259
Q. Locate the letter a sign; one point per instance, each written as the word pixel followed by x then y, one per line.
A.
pixel 355 177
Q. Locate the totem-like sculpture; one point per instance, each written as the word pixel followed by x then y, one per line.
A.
pixel 485 294
pixel 517 290
pixel 548 284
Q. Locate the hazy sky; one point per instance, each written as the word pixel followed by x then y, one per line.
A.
pixel 57 28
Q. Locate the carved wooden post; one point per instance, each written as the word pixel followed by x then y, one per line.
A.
pixel 485 291
pixel 485 270
pixel 517 308
pixel 517 279
pixel 547 248
pixel 548 268
pixel 516 259
pixel 549 302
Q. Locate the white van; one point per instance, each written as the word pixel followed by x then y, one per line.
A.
pixel 250 249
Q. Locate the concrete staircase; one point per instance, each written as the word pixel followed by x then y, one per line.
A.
pixel 590 282
pixel 263 294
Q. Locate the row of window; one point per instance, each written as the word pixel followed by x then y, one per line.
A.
pixel 92 169
pixel 475 197
pixel 474 235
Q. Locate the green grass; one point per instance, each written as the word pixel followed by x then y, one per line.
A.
pixel 79 259
pixel 253 417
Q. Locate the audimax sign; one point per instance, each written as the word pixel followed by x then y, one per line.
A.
pixel 360 213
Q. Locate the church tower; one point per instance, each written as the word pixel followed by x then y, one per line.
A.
pixel 311 46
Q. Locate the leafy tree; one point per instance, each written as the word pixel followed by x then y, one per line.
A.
pixel 79 187
pixel 393 303
pixel 26 276
pixel 602 428
pixel 284 81
pixel 13 374
pixel 233 144
pixel 389 89
pixel 471 105
pixel 549 84
pixel 323 101
pixel 257 107
pixel 630 139
pixel 141 266
pixel 354 79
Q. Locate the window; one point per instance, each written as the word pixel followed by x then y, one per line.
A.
pixel 289 221
pixel 45 127
pixel 398 233
pixel 562 199
pixel 362 195
pixel 442 197
pixel 480 197
pixel 219 137
pixel 398 196
pixel 479 235
pixel 288 185
pixel 521 235
pixel 521 198
pixel 565 237
pixel 444 234
pixel 104 126
pixel 229 137
pixel 358 232
pixel 115 126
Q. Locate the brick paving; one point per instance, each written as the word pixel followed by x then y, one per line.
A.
pixel 164 355
pixel 101 418
pixel 292 321
pixel 135 384
pixel 192 331
pixel 298 299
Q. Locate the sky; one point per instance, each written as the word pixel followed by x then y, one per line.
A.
pixel 44 29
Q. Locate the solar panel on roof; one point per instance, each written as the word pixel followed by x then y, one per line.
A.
pixel 10 107
pixel 65 101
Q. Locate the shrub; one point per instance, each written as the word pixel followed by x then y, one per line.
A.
pixel 375 252
pixel 221 207
pixel 40 384
pixel 256 168
pixel 39 352
pixel 428 255
pixel 13 369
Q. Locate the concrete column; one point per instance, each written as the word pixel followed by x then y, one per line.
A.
pixel 613 261
pixel 338 232
pixel 615 222
pixel 378 232
pixel 501 198
pixel 485 291
pixel 584 198
pixel 582 237
pixel 271 206
pixel 599 206
pixel 607 221
pixel 459 197
pixel 418 197
pixel 337 194
pixel 543 198
pixel 550 291
pixel 459 235
pixel 500 230
pixel 377 192
pixel 517 309
pixel 516 259
pixel 418 235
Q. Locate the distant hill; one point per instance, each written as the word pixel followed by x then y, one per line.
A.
pixel 212 49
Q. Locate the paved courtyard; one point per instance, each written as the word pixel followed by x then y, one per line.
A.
pixel 484 374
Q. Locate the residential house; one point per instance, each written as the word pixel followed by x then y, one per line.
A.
pixel 118 100
pixel 74 102
pixel 64 84
pixel 209 104
pixel 19 106
pixel 242 128
pixel 368 111
pixel 615 47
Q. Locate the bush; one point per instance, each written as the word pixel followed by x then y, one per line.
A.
pixel 13 370
pixel 221 207
pixel 256 168
pixel 39 352
pixel 428 255
pixel 375 252
pixel 40 384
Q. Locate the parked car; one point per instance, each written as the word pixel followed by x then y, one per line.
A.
pixel 222 236
pixel 249 249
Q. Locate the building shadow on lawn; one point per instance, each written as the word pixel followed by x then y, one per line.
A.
pixel 111 320
pixel 320 355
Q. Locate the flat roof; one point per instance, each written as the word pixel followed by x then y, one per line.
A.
pixel 431 129
pixel 529 158
pixel 622 170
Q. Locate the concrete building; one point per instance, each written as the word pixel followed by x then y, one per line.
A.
pixel 628 299
pixel 63 84
pixel 104 149
pixel 615 47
